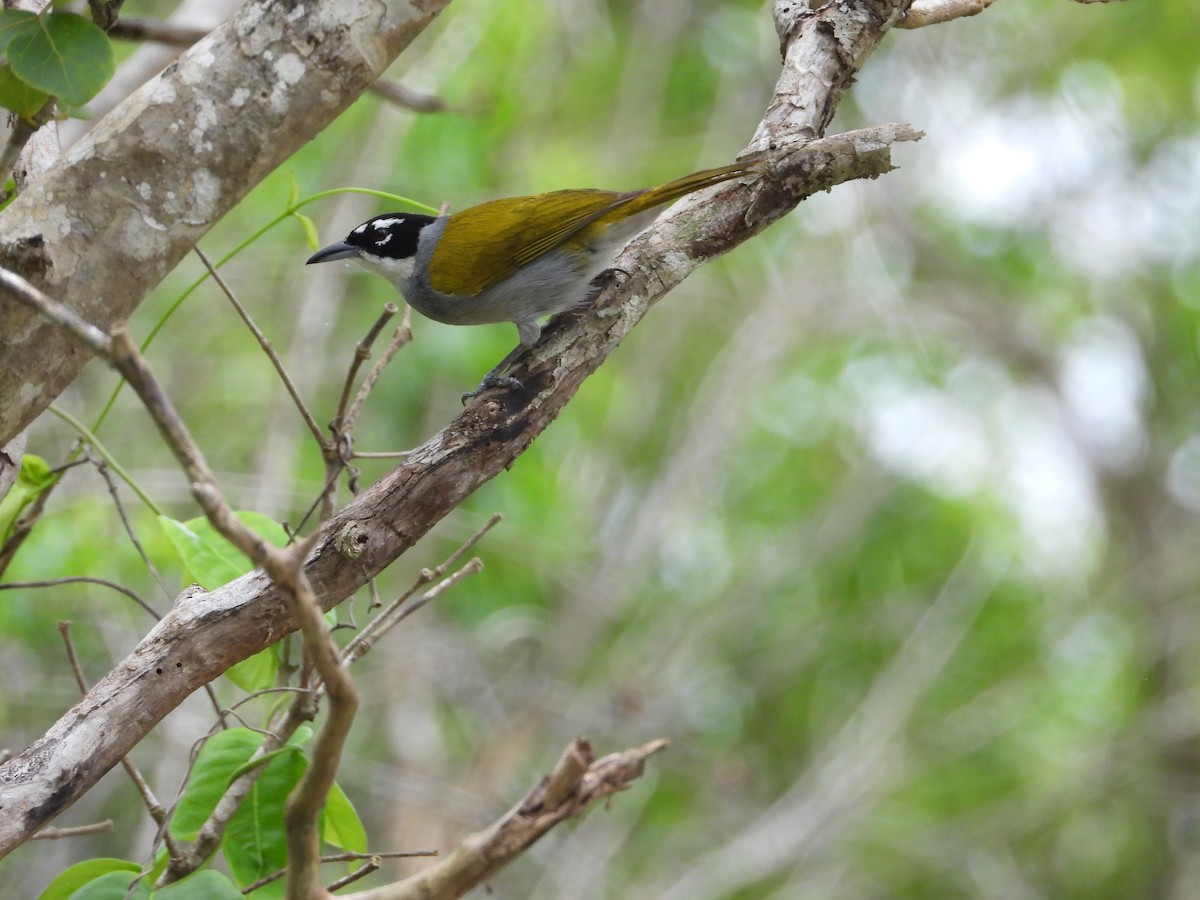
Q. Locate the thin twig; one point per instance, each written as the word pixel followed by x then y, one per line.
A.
pixel 102 468
pixel 266 346
pixel 401 336
pixel 397 613
pixel 382 454
pixel 58 313
pixel 89 437
pixel 371 865
pixel 404 96
pixel 336 450
pixel 935 12
pixel 83 579
pixel 341 857
pixel 577 781
pixel 51 833
pixel 362 352
pixel 380 624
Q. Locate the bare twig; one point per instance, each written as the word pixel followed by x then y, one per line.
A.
pixel 102 468
pixel 362 352
pixel 362 871
pixel 935 12
pixel 400 95
pixel 576 782
pixel 156 32
pixel 268 349
pixel 58 313
pixel 83 579
pixel 50 833
pixel 389 617
pixel 336 451
pixel 401 336
pixel 397 613
pixel 341 857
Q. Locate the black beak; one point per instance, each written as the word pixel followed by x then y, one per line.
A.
pixel 340 250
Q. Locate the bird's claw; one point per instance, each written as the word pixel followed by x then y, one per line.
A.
pixel 492 380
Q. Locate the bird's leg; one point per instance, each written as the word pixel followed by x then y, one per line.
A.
pixel 529 333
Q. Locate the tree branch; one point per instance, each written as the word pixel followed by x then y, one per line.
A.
pixel 206 633
pixel 106 223
pixel 935 12
pixel 576 782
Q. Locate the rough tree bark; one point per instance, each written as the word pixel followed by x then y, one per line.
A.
pixel 106 223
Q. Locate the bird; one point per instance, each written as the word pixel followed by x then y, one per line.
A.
pixel 516 259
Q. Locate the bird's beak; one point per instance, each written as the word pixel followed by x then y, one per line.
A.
pixel 340 250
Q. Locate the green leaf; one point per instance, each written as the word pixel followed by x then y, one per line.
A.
pixel 310 231
pixel 61 53
pixel 211 560
pixel 14 22
pixel 33 478
pixel 343 827
pixel 113 886
pixel 222 755
pixel 221 759
pixel 254 843
pixel 71 879
pixel 206 884
pixel 17 96
pixel 257 672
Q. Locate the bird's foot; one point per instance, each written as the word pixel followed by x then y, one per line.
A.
pixel 492 380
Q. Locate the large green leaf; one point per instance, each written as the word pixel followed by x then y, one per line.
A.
pixel 60 53
pixel 342 826
pixel 222 758
pixel 18 96
pixel 210 559
pixel 113 886
pixel 71 879
pixel 222 755
pixel 255 843
pixel 206 884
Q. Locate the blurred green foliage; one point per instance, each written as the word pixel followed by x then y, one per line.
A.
pixel 887 520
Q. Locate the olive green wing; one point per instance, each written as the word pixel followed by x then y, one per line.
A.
pixel 520 228
pixel 524 228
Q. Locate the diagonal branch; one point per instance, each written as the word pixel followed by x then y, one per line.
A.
pixel 103 225
pixel 206 633
pixel 577 781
